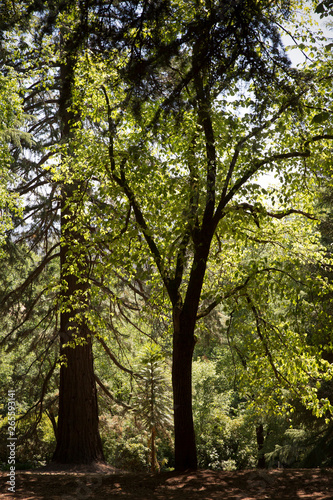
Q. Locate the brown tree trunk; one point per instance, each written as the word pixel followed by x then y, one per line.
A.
pixel 78 437
pixel 183 346
pixel 184 322
pixel 260 443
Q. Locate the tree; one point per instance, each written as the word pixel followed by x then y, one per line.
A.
pixel 195 106
pixel 153 403
pixel 49 95
pixel 202 165
pixel 49 39
pixel 78 411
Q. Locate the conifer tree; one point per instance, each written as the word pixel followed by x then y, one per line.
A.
pixel 55 34
pixel 153 403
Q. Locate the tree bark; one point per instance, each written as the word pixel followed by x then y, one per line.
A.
pixel 78 436
pixel 78 439
pixel 184 322
pixel 183 346
pixel 260 443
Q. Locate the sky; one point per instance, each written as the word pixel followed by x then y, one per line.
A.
pixel 298 58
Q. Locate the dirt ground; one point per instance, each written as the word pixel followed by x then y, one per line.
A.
pixel 104 482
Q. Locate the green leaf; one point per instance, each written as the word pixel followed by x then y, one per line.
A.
pixel 321 117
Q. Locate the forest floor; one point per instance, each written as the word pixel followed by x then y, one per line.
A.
pixel 104 482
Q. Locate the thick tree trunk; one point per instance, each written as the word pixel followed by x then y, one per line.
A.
pixel 184 321
pixel 185 447
pixel 78 437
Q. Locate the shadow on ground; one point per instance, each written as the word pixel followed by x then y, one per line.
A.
pixel 108 483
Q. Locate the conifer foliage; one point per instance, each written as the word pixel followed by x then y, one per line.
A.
pixel 153 402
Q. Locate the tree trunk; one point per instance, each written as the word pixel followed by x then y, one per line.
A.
pixel 183 346
pixel 78 437
pixel 184 322
pixel 153 451
pixel 260 442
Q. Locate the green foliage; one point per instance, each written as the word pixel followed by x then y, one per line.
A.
pixel 290 451
pixel 320 452
pixel 224 431
pixel 11 118
pixel 138 419
pixel 153 402
pixel 125 445
pixel 29 355
pixel 163 156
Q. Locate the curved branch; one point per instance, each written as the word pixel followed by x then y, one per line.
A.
pixel 40 400
pixel 108 393
pixel 112 357
pixel 257 165
pixel 27 317
pixel 268 353
pixel 122 183
pixel 238 288
pixel 276 215
pixel 220 299
pixel 36 272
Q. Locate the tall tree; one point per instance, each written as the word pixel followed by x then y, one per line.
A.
pixel 233 113
pixel 199 101
pixel 78 438
pixel 60 28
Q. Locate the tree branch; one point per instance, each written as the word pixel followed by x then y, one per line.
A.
pixel 269 356
pixel 108 393
pixel 238 288
pixel 205 120
pixel 218 301
pixel 112 357
pixel 225 198
pixel 121 181
pixel 20 289
pixel 277 215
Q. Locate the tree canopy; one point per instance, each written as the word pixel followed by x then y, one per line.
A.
pixel 154 126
